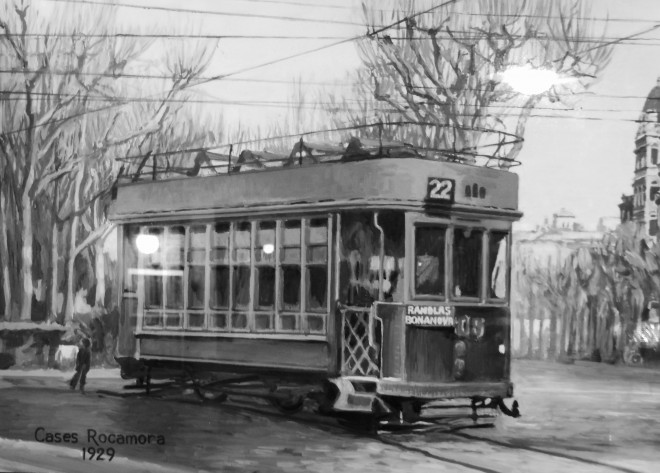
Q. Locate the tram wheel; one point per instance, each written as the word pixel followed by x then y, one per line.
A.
pixel 289 405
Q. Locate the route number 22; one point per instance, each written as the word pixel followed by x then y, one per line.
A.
pixel 441 189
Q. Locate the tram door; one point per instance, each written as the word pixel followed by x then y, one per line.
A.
pixel 365 240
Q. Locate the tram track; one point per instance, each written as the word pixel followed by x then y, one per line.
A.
pixel 394 439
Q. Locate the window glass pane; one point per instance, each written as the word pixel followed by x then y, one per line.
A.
pixel 430 260
pixel 220 287
pixel 220 255
pixel 265 246
pixel 239 321
pixel 155 258
pixel 467 262
pixel 174 288
pixel 218 321
pixel 316 323
pixel 291 233
pixel 317 231
pixel 174 246
pixel 241 287
pixel 196 287
pixel 317 254
pixel 263 321
pixel 288 322
pixel 196 256
pixel 497 265
pixel 317 287
pixel 291 287
pixel 130 257
pixel 152 319
pixel 266 287
pixel 242 256
pixel 220 235
pixel 153 291
pixel 198 237
pixel 195 320
pixel 242 235
pixel 290 255
pixel 173 320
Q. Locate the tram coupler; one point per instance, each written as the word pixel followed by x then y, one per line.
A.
pixel 513 412
pixel 494 403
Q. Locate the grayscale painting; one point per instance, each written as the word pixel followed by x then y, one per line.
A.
pixel 329 236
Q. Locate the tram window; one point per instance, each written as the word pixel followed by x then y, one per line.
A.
pixel 467 262
pixel 174 244
pixel 153 291
pixel 220 243
pixel 220 287
pixel 316 323
pixel 266 287
pixel 130 257
pixel 196 287
pixel 430 260
pixel 173 320
pixel 219 321
pixel 317 287
pixel 174 292
pixel 265 249
pixel 196 320
pixel 263 322
pixel 241 287
pixel 155 259
pixel 497 265
pixel 242 243
pixel 291 287
pixel 288 322
pixel 239 321
pixel 152 319
pixel 197 249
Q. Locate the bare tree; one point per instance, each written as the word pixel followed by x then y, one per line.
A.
pixel 442 71
pixel 65 117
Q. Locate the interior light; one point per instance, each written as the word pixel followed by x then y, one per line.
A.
pixel 502 349
pixel 531 81
pixel 268 248
pixel 147 244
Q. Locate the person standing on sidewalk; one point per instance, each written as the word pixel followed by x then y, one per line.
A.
pixel 83 363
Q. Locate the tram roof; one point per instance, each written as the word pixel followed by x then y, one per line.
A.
pixel 392 182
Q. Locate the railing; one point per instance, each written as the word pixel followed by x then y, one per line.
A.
pixel 361 342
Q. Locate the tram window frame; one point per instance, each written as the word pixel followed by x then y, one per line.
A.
pixel 480 283
pixel 311 251
pixel 445 261
pixel 507 267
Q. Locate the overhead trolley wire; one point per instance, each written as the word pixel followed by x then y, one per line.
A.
pixel 210 12
pixel 243 70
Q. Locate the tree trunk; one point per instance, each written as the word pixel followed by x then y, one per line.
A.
pixel 552 342
pixel 541 335
pixel 26 259
pixel 99 269
pixel 70 295
pixel 530 339
pixel 4 258
pixel 54 270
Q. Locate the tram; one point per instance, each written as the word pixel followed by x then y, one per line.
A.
pixel 381 275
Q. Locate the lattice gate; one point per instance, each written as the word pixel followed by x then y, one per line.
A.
pixel 361 342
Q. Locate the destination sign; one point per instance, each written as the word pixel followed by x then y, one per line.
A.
pixel 429 315
pixel 440 189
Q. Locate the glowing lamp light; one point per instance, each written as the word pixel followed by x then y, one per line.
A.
pixel 531 81
pixel 147 244
pixel 268 248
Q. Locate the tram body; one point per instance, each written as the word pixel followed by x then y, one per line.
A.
pixel 388 278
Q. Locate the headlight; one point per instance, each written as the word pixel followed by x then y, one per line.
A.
pixel 460 349
pixel 459 368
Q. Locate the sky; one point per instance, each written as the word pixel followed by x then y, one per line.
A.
pixel 583 164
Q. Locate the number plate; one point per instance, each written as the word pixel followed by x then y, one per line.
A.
pixel 441 189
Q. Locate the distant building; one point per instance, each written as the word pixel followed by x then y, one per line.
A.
pixel 646 182
pixel 564 220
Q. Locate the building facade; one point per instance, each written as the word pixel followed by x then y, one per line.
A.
pixel 640 207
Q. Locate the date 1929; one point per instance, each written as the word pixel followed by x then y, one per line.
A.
pixel 98 454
